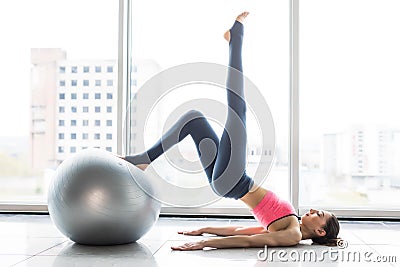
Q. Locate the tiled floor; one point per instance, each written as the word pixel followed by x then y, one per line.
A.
pixel 32 240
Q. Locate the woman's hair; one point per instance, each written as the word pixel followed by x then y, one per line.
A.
pixel 331 228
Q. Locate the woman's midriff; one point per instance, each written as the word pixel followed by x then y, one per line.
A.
pixel 272 209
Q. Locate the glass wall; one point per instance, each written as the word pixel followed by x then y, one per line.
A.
pixel 60 77
pixel 58 89
pixel 162 37
pixel 349 91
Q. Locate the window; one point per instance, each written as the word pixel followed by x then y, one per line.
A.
pixel 98 82
pixel 109 122
pixel 97 123
pixel 74 69
pixel 98 69
pixel 74 82
pixel 266 64
pixel 349 68
pixel 109 82
pixel 61 123
pixel 109 109
pixel 109 68
pixel 61 96
pixel 97 109
pixel 61 69
pixel 73 95
pixel 73 109
pixel 85 136
pixel 73 122
pixel 60 149
pixel 72 149
pixel 85 96
pixel 86 69
pixel 62 83
pixel 85 109
pixel 85 123
pixel 109 149
pixel 97 96
pixel 97 136
pixel 60 136
pixel 61 109
pixel 85 82
pixel 109 136
pixel 73 136
pixel 109 95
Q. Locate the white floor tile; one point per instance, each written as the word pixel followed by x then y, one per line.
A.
pixel 9 260
pixel 379 237
pixel 86 261
pixel 363 225
pixel 350 237
pixel 387 253
pixel 71 249
pixel 27 246
pixel 32 240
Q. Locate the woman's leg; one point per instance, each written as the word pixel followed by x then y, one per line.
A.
pixel 224 161
pixel 229 176
pixel 192 123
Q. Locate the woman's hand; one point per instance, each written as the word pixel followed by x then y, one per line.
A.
pixel 193 232
pixel 191 246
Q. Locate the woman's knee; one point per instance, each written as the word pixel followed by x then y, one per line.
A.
pixel 194 113
pixel 191 115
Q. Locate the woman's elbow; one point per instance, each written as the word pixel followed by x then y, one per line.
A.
pixel 295 239
pixel 289 241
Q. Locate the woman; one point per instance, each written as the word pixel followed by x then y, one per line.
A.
pixel 224 163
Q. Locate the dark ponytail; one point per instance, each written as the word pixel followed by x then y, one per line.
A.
pixel 331 228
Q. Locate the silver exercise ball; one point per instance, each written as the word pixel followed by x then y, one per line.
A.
pixel 95 199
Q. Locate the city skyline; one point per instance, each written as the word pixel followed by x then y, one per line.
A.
pixel 73 106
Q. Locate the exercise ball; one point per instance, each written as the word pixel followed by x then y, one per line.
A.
pixel 97 198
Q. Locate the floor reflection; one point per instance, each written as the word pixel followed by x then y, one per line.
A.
pixel 134 254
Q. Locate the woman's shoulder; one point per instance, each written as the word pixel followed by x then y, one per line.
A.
pixel 285 223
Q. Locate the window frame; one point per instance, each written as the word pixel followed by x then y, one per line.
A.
pixel 124 41
pixel 294 136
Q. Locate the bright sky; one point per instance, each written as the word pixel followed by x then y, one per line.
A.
pixel 349 50
pixel 85 29
pixel 196 35
pixel 349 61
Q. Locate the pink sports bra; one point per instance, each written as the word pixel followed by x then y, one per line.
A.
pixel 272 208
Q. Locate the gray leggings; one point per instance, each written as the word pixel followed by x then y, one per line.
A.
pixel 224 160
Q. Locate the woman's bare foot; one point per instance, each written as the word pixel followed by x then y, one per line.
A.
pixel 142 166
pixel 118 156
pixel 240 18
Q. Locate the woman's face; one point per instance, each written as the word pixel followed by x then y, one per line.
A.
pixel 315 219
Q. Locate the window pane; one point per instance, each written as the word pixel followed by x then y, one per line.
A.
pixel 41 95
pixel 349 91
pixel 266 63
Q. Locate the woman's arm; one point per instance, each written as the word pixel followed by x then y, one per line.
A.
pixel 227 230
pixel 288 237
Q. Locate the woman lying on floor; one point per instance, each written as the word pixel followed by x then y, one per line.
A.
pixel 227 175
